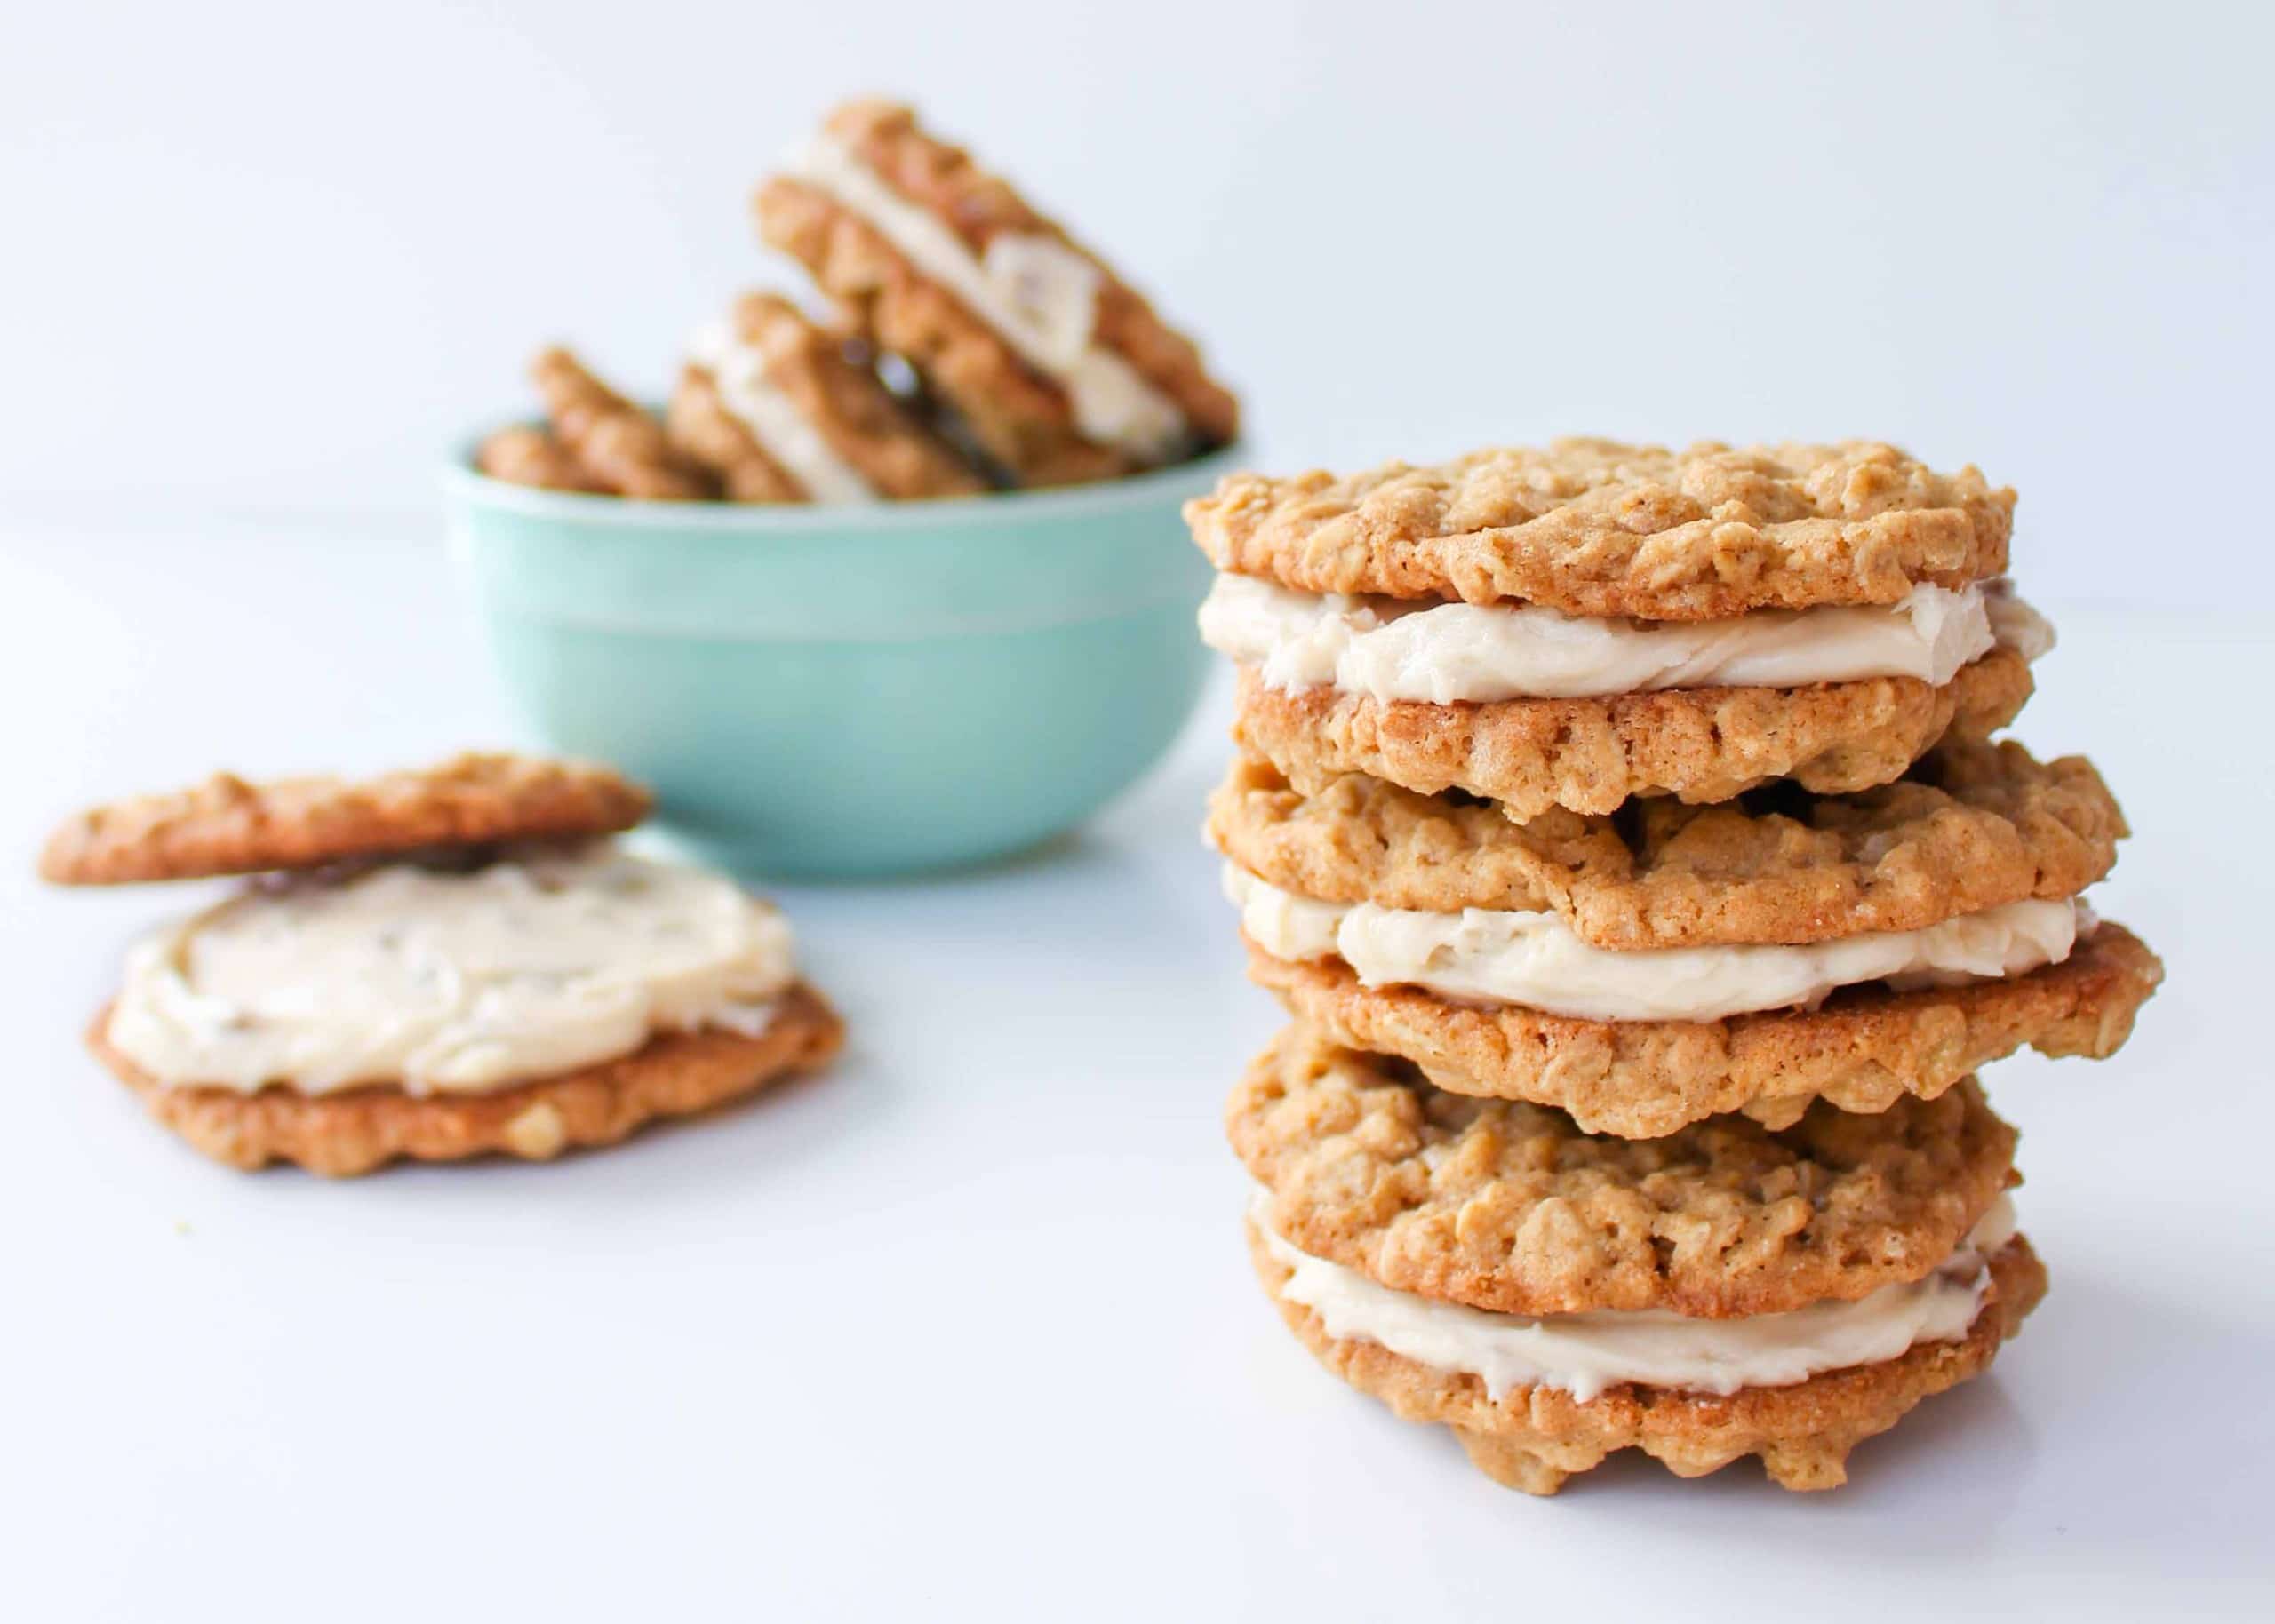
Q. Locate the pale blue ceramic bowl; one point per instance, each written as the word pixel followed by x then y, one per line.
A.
pixel 849 691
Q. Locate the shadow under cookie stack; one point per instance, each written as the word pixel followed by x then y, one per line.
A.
pixel 1623 831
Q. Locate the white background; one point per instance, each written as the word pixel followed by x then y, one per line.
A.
pixel 964 1329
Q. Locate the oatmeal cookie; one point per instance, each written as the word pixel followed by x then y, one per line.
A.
pixel 1865 1048
pixel 357 1130
pixel 1970 826
pixel 1023 416
pixel 528 455
pixel 1700 745
pixel 1594 527
pixel 228 826
pixel 621 449
pixel 861 429
pixel 706 433
pixel 1514 1208
pixel 1533 1438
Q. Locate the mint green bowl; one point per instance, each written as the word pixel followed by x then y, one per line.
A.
pixel 849 691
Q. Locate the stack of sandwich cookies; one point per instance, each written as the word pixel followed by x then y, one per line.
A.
pixel 1648 795
pixel 436 964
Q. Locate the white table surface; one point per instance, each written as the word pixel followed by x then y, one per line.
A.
pixel 965 1328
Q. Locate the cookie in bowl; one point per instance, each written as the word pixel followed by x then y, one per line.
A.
pixel 438 964
pixel 777 411
pixel 595 441
pixel 1058 371
pixel 874 646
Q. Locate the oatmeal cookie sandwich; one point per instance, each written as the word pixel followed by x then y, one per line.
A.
pixel 1055 368
pixel 595 441
pixel 1577 625
pixel 436 964
pixel 1552 1296
pixel 777 411
pixel 1646 970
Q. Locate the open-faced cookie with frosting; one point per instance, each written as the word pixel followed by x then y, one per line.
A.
pixel 447 963
pixel 1577 626
pixel 1552 1296
pixel 778 412
pixel 1646 970
pixel 1056 368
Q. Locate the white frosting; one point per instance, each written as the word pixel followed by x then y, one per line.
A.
pixel 1491 957
pixel 2015 624
pixel 1447 653
pixel 1582 1354
pixel 1040 296
pixel 784 434
pixel 450 982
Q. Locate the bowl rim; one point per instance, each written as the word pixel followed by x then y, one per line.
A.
pixel 463 481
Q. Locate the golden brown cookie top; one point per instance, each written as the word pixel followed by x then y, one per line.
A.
pixel 1595 527
pixel 1510 1208
pixel 226 826
pixel 1971 826
pixel 979 206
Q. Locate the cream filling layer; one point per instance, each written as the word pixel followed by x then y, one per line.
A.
pixel 784 434
pixel 1038 295
pixel 1584 1353
pixel 2014 624
pixel 450 982
pixel 1388 649
pixel 1494 957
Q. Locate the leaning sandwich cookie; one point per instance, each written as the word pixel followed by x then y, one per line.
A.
pixel 1577 626
pixel 779 412
pixel 1552 1296
pixel 448 963
pixel 1055 368
pixel 1646 971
